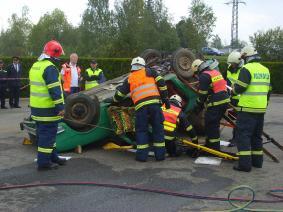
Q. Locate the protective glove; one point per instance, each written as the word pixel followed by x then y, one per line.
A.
pixel 109 100
pixel 167 104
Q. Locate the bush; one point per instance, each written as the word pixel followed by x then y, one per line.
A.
pixel 114 67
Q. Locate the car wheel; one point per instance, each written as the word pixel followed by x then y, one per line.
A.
pixel 82 112
pixel 182 61
pixel 151 55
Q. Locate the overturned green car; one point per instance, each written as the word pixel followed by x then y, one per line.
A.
pixel 88 119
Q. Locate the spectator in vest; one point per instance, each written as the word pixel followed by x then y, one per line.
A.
pixel 3 84
pixel 175 118
pixel 14 72
pixel 47 104
pixel 212 92
pixel 253 85
pixel 147 90
pixel 93 76
pixel 71 74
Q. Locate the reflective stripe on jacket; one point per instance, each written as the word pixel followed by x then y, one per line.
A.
pixel 92 83
pixel 143 88
pixel 170 121
pixel 218 83
pixel 39 91
pixel 254 98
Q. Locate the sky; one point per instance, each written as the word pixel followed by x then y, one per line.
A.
pixel 255 15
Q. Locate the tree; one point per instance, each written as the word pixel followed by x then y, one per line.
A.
pixel 13 41
pixel 97 30
pixel 216 42
pixel 55 26
pixel 203 18
pixel 143 25
pixel 188 35
pixel 269 44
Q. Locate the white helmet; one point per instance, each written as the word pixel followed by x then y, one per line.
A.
pixel 177 98
pixel 248 51
pixel 138 61
pixel 234 57
pixel 196 64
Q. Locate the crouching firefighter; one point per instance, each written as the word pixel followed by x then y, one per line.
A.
pixel 175 117
pixel 47 104
pixel 147 89
pixel 212 91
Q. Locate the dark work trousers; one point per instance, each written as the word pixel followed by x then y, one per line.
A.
pixel 14 96
pixel 46 136
pixel 2 96
pixel 149 114
pixel 74 90
pixel 249 140
pixel 213 116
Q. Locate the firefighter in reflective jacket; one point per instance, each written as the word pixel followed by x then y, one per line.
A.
pixel 93 76
pixel 47 104
pixel 235 63
pixel 173 117
pixel 213 92
pixel 254 86
pixel 147 89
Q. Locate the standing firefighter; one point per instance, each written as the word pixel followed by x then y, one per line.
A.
pixel 254 85
pixel 213 92
pixel 175 117
pixel 47 104
pixel 143 84
pixel 93 76
pixel 235 63
pixel 3 84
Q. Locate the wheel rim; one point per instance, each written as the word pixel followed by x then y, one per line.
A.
pixel 79 111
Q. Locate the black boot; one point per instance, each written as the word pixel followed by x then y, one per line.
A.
pixel 238 168
pixel 60 161
pixel 47 167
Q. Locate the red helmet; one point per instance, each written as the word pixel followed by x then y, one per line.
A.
pixel 53 49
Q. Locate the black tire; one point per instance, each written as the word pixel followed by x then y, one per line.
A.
pixel 151 55
pixel 182 61
pixel 81 111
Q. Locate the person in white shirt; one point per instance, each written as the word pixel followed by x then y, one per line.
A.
pixel 71 73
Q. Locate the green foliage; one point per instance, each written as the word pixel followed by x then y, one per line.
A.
pixel 53 26
pixel 269 44
pixel 216 42
pixel 13 41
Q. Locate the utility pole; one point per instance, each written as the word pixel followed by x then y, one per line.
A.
pixel 234 25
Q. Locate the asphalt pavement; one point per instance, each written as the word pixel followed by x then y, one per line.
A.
pixel 181 174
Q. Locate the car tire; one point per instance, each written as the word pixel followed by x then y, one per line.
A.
pixel 82 112
pixel 182 61
pixel 151 55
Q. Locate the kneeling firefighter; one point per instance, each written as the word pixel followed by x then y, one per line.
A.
pixel 173 117
pixel 147 89
pixel 213 93
pixel 47 104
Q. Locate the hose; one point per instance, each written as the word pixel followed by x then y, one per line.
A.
pixel 164 192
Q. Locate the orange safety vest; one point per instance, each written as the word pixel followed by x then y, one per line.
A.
pixel 67 77
pixel 170 117
pixel 142 86
pixel 218 82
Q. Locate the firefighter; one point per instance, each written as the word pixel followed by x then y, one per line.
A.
pixel 147 90
pixel 47 104
pixel 253 85
pixel 173 117
pixel 235 63
pixel 213 92
pixel 93 76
